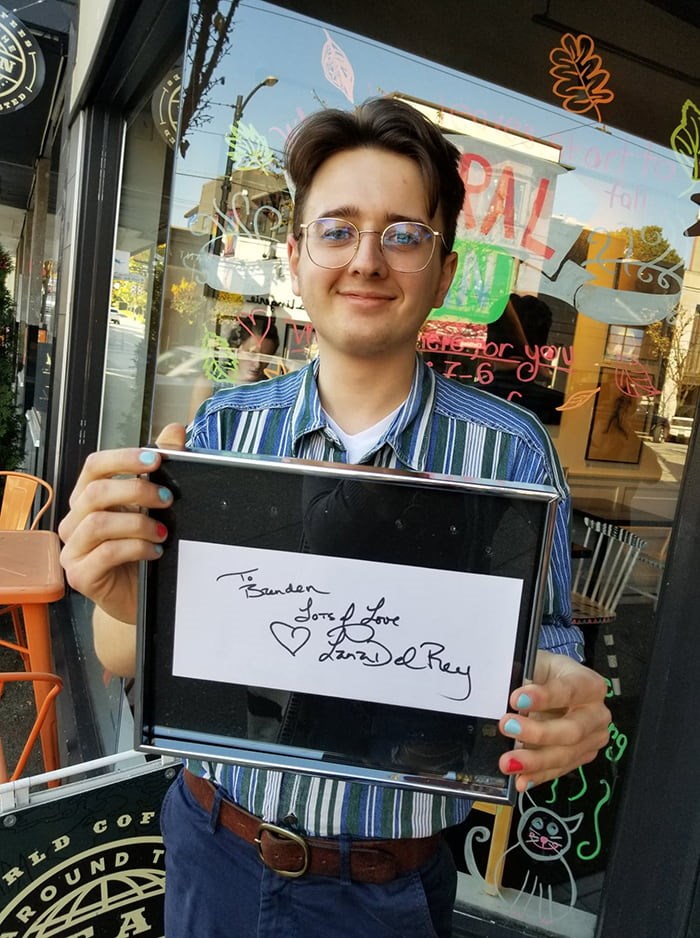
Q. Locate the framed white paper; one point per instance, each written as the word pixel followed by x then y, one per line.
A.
pixel 348 621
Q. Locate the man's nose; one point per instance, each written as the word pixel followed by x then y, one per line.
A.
pixel 369 258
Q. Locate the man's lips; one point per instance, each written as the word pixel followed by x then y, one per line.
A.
pixel 365 296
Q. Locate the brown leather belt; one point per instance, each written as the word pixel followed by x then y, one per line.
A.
pixel 287 853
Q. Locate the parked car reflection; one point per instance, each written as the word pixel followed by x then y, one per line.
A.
pixel 680 429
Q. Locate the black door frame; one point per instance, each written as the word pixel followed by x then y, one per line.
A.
pixel 140 40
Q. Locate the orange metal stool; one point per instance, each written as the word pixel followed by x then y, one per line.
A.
pixel 31 577
pixel 54 685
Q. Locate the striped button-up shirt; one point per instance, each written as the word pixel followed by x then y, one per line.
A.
pixel 442 427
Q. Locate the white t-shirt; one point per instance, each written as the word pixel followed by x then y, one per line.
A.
pixel 359 444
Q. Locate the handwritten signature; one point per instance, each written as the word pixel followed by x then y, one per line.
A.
pixel 354 636
pixel 357 641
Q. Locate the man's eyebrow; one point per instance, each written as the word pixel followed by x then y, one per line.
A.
pixel 353 211
pixel 341 211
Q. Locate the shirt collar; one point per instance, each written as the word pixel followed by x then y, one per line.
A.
pixel 308 415
pixel 409 433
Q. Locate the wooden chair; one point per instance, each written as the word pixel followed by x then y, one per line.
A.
pixel 599 583
pixel 17 513
pixel 498 844
pixel 45 714
pixel 653 564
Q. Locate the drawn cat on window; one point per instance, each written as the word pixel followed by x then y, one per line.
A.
pixel 544 837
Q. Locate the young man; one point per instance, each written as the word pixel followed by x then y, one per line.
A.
pixel 376 203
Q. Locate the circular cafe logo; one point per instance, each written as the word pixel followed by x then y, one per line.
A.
pixel 109 891
pixel 21 64
pixel 165 105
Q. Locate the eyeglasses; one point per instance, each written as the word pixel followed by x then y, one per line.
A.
pixel 407 246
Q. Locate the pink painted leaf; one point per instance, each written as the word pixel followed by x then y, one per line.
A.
pixel 337 68
pixel 635 382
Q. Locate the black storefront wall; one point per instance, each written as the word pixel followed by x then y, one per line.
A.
pixel 651 881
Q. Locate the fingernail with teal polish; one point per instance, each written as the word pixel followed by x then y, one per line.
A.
pixel 524 702
pixel 147 457
pixel 513 728
pixel 164 494
pixel 530 785
pixel 158 549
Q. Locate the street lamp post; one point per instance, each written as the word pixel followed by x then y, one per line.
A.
pixel 238 108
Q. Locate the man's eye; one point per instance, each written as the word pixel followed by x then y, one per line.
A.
pixel 403 237
pixel 339 233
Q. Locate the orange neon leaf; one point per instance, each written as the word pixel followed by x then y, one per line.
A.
pixel 580 79
pixel 578 399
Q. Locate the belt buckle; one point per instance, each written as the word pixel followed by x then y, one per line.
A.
pixel 289 835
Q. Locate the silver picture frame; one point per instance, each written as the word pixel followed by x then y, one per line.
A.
pixel 320 514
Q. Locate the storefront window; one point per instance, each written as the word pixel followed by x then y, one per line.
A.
pixel 133 319
pixel 137 271
pixel 573 297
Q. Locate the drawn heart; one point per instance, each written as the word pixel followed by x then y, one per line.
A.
pixel 291 637
pixel 253 323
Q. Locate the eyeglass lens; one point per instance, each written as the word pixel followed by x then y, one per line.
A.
pixel 407 246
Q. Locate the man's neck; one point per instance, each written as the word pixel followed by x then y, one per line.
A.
pixel 359 393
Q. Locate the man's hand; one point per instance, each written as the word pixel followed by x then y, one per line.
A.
pixel 562 721
pixel 106 532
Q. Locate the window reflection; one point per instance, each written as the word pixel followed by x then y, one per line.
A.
pixel 137 273
pixel 573 297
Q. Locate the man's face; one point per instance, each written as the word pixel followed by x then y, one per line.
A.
pixel 253 353
pixel 366 309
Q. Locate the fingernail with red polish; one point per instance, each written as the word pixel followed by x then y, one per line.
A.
pixel 514 765
pixel 161 530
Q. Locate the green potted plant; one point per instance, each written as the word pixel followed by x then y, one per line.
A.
pixel 11 424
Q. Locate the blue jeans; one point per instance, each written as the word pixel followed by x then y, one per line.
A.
pixel 217 887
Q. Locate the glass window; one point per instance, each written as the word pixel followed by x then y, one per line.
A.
pixel 624 343
pixel 137 271
pixel 573 297
pixel 133 320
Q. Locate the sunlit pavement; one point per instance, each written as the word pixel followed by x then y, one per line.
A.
pixel 671 458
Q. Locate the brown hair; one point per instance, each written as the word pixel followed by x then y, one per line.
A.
pixel 387 124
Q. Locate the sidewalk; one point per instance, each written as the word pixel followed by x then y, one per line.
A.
pixel 17 708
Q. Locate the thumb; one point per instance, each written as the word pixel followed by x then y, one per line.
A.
pixel 172 437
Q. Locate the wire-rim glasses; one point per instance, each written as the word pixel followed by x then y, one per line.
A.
pixel 407 246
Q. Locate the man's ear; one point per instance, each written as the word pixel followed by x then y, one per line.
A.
pixel 293 258
pixel 447 272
